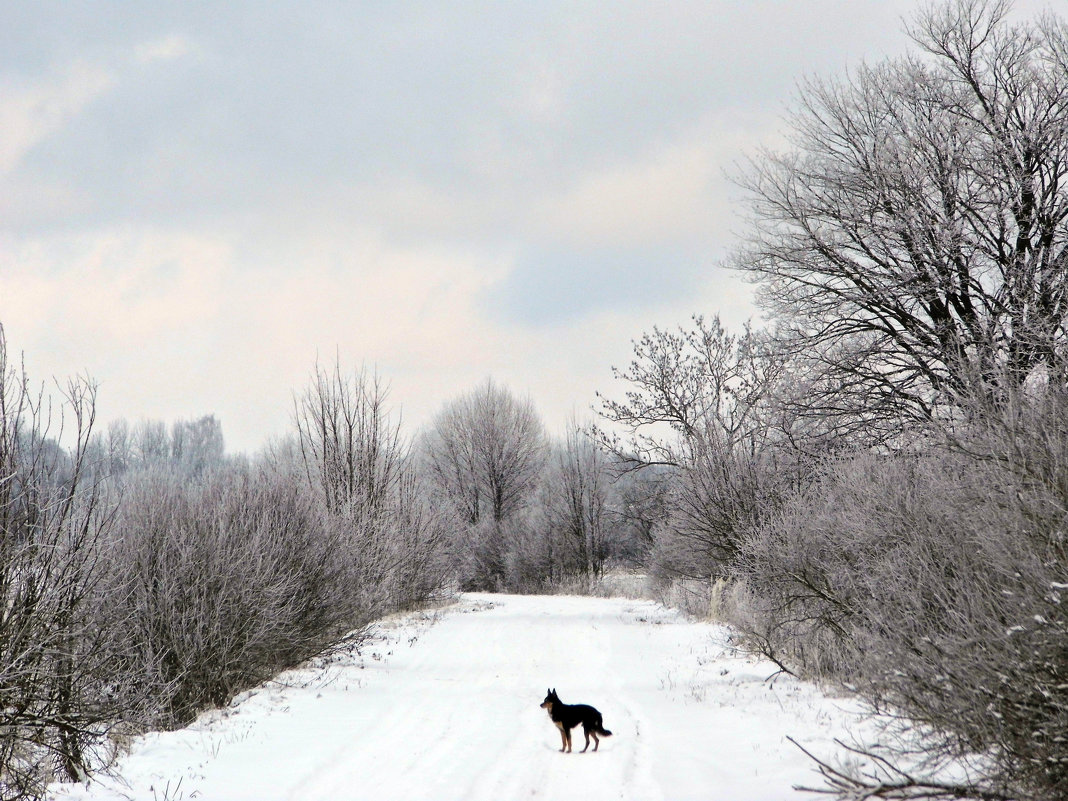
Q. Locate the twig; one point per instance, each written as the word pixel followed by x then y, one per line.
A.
pixel 854 788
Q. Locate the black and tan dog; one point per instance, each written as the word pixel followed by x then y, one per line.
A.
pixel 568 716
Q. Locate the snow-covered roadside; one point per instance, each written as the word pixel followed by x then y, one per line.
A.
pixel 450 711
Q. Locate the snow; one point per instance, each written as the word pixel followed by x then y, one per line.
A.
pixel 446 706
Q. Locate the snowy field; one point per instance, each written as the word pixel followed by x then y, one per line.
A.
pixel 447 708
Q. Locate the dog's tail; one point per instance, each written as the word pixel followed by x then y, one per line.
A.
pixel 601 730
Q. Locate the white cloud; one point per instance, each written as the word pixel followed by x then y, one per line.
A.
pixel 114 286
pixel 30 111
pixel 175 324
pixel 677 191
pixel 134 309
pixel 167 48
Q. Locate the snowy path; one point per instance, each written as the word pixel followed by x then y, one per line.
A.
pixel 450 711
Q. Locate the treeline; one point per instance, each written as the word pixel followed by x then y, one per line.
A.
pixel 875 488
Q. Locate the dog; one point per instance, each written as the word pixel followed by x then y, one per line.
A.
pixel 568 716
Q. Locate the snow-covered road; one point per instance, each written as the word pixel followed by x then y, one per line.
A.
pixel 449 710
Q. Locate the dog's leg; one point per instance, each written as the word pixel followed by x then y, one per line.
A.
pixel 567 734
pixel 596 740
pixel 586 731
pixel 563 737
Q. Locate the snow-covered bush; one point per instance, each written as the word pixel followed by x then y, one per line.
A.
pixel 224 580
pixel 138 591
pixel 229 575
pixel 935 585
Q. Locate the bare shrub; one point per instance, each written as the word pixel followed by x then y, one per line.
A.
pixel 619 582
pixel 417 535
pixel 226 580
pixel 691 596
pixel 933 586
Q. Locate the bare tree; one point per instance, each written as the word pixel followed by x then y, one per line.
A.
pixel 198 444
pixel 913 246
pixel 151 444
pixel 484 452
pixel 52 518
pixel 578 505
pixel 354 457
pixel 641 504
pixel 351 448
pixel 118 447
pixel 914 241
pixel 700 403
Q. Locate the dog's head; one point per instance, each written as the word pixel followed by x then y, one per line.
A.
pixel 550 699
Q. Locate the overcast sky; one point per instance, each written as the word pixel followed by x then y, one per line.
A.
pixel 199 199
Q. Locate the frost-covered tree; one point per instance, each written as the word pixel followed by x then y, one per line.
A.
pixel 912 241
pixel 53 516
pixel 197 444
pixel 350 444
pixel 484 452
pixel 698 405
pixel 579 504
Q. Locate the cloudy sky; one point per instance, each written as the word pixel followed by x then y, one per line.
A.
pixel 200 199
